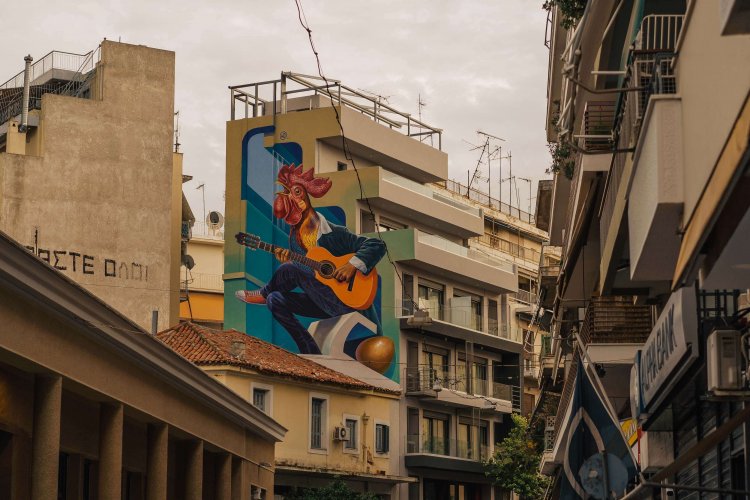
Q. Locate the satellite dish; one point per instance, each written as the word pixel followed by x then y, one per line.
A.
pixel 214 220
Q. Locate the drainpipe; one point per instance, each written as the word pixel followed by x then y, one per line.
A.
pixel 26 84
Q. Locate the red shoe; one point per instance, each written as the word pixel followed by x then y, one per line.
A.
pixel 250 296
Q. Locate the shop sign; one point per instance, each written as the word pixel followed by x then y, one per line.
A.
pixel 670 349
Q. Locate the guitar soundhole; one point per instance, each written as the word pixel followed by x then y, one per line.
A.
pixel 327 269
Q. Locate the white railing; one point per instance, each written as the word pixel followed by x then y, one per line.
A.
pixel 205 281
pixel 659 32
pixel 54 60
pixel 203 230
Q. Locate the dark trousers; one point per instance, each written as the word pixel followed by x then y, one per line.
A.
pixel 315 301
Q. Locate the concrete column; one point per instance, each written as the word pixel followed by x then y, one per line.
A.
pixel 110 452
pixel 224 476
pixel 240 481
pixel 46 437
pixel 194 470
pixel 156 462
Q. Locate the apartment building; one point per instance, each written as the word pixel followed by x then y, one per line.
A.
pixel 513 235
pixel 96 407
pixel 89 181
pixel 650 208
pixel 437 327
pixel 201 283
pixel 350 426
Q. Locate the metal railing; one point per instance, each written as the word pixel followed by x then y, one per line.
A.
pixel 424 379
pixel 272 97
pixel 204 230
pixel 616 320
pixel 525 296
pixel 79 70
pixel 438 445
pixel 205 281
pixel 488 201
pixel 598 121
pixel 525 253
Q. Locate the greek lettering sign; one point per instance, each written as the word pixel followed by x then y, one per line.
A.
pixel 671 347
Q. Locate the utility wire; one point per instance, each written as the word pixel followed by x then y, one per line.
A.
pixel 347 153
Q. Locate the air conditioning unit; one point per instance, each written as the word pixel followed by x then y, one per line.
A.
pixel 340 434
pixel 723 361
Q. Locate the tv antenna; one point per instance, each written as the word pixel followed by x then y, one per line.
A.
pixel 177 131
pixel 421 104
pixel 491 155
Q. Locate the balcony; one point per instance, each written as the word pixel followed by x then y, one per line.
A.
pixel 526 254
pixel 205 282
pixel 203 231
pixel 411 200
pixel 651 71
pixel 657 194
pixel 453 262
pixel 374 130
pixel 486 200
pixel 423 444
pixel 455 388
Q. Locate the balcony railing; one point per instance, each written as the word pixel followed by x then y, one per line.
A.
pixel 549 433
pixel 271 98
pixel 598 121
pixel 525 296
pixel 205 281
pixel 204 230
pixel 509 247
pixel 651 70
pixel 616 320
pixel 436 445
pixel 422 379
pixel 488 201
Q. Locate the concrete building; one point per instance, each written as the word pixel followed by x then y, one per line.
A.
pixel 650 208
pixel 438 301
pixel 284 385
pixel 94 407
pixel 513 235
pixel 72 176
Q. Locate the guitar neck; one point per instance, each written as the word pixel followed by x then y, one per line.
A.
pixel 296 257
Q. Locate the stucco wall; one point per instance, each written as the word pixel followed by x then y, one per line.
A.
pixel 713 81
pixel 100 197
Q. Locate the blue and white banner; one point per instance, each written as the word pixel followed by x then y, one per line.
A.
pixel 597 459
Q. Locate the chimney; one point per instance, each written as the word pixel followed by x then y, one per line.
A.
pixel 238 348
pixel 26 85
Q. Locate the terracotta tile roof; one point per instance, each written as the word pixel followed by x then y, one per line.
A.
pixel 205 346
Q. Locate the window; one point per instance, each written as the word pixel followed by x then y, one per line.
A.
pixel 341 166
pixel 385 224
pixel 435 433
pixel 259 399
pixel 262 397
pixel 431 297
pixel 480 376
pixel 382 438
pixel 351 434
pixel 407 294
pixel 492 322
pixel 317 423
pixel 467 310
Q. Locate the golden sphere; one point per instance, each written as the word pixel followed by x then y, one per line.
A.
pixel 376 353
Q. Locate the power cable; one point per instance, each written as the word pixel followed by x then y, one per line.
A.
pixel 345 143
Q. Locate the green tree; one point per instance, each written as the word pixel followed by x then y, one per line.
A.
pixel 515 464
pixel 335 490
pixel 570 10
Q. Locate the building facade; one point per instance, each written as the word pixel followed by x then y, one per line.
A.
pixel 96 407
pixel 314 402
pixel 72 177
pixel 650 207
pixel 434 325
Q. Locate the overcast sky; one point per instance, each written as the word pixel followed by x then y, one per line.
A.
pixel 479 65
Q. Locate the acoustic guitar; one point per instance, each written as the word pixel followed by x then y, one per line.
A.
pixel 357 293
